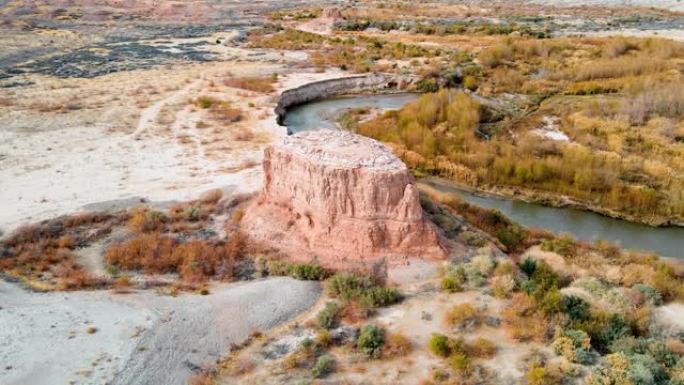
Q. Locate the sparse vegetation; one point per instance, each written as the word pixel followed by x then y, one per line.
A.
pixel 328 317
pixel 361 289
pixel 325 365
pixel 256 84
pixel 371 340
pixel 609 164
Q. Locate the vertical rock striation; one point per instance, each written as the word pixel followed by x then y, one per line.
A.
pixel 342 198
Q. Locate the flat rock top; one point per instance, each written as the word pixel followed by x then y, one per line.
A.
pixel 341 149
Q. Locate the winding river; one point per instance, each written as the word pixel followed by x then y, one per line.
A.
pixel 584 225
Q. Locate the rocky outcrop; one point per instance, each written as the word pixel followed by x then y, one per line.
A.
pixel 341 198
pixel 340 86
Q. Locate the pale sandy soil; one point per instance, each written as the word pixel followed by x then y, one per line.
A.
pixel 140 338
pixel 674 34
pixel 670 319
pixel 672 5
pixel 68 143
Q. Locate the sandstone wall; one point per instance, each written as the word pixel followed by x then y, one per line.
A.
pixel 341 198
pixel 340 86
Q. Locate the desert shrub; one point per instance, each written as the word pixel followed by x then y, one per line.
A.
pixel 370 341
pixel 277 267
pixel 619 67
pixel 601 291
pixel 564 245
pixel 482 347
pixel 439 345
pixel 575 307
pixel 300 271
pixel 325 365
pixel 463 315
pixel 621 368
pixel 651 294
pixel 523 318
pixel 503 285
pixel 362 289
pixel 528 266
pixel 543 286
pixel 494 56
pixel 211 196
pixel 603 329
pixel 328 317
pixel 664 100
pixel 656 348
pixel 307 272
pixel 205 102
pixel 194 260
pixel 573 345
pixel 348 286
pixel 380 297
pixel 396 345
pixel 256 84
pixel 484 262
pixel 323 339
pixel 146 221
pixel 667 283
pixel 452 282
pixel 460 362
pixel 539 374
pixel 223 111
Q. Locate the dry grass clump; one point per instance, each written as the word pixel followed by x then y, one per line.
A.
pixel 43 254
pixel 463 315
pixel 193 260
pixel 224 112
pixel 256 84
pixel 396 345
pixel 620 67
pixel 662 100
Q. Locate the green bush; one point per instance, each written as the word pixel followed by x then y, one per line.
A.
pixel 324 366
pixel 307 272
pixel 452 283
pixel 379 297
pixel 652 295
pixel 370 341
pixel 348 286
pixel 354 287
pixel 439 345
pixel 528 266
pixel 277 267
pixel 574 345
pixel 460 362
pixel 575 307
pixel 563 245
pixel 328 317
pixel 301 271
pixel 604 328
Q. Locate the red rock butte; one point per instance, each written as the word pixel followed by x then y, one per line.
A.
pixel 341 199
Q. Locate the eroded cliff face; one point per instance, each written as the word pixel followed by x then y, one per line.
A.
pixel 340 198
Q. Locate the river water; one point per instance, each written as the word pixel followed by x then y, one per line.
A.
pixel 584 225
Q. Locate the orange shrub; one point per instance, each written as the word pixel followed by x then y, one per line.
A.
pixel 396 345
pixel 194 260
pixel 256 84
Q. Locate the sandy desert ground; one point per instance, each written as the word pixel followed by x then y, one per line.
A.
pixel 135 338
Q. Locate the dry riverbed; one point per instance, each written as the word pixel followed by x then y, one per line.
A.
pixel 137 338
